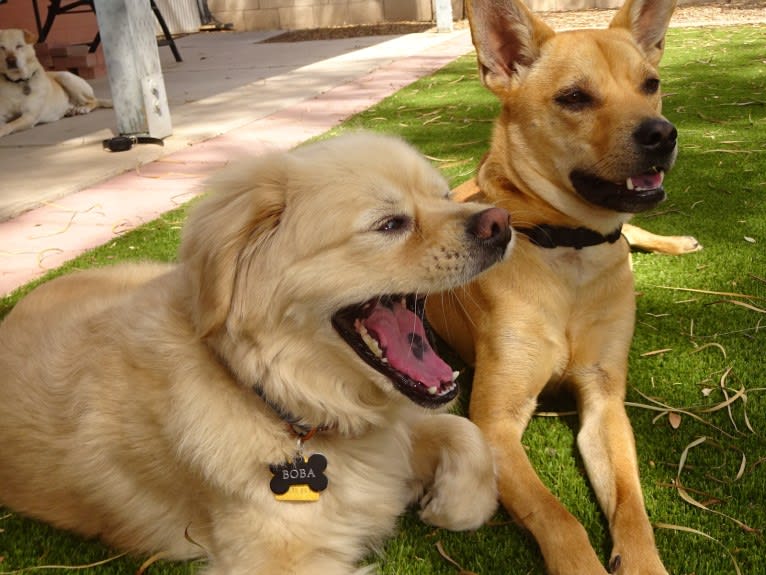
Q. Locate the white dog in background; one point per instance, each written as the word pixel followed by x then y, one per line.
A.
pixel 30 95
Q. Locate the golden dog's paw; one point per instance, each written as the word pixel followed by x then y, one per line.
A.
pixel 447 506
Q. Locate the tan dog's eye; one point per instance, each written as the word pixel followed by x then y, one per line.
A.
pixel 574 99
pixel 651 85
pixel 395 224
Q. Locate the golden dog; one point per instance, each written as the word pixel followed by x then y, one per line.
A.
pixel 29 95
pixel 580 145
pixel 145 401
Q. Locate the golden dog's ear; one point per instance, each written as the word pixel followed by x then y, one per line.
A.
pixel 507 37
pixel 29 38
pixel 648 21
pixel 230 225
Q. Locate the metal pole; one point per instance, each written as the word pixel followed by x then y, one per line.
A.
pixel 133 66
pixel 443 11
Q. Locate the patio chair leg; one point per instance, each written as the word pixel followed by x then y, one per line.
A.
pixel 166 31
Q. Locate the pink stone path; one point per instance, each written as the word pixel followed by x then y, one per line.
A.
pixel 45 238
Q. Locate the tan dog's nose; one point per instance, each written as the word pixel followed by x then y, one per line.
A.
pixel 656 135
pixel 492 226
pixel 11 62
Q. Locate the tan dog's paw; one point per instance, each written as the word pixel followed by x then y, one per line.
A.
pixel 569 552
pixel 640 564
pixel 669 245
pixel 683 245
pixel 582 562
pixel 642 240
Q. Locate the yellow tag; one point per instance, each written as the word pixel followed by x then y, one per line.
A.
pixel 298 493
pixel 300 479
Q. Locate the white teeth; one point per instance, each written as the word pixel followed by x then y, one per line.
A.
pixel 629 184
pixel 433 390
pixel 370 341
pixel 455 375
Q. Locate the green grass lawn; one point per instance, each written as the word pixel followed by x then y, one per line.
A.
pixel 696 381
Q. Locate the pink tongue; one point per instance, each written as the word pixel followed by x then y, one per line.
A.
pixel 401 335
pixel 649 181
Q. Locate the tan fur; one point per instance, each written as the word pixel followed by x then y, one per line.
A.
pixel 29 95
pixel 126 403
pixel 561 317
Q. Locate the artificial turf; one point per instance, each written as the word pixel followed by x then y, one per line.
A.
pixel 696 380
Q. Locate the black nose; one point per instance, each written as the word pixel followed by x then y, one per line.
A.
pixel 11 61
pixel 656 135
pixel 492 227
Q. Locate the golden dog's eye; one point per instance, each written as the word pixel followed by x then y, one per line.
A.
pixel 651 85
pixel 395 224
pixel 574 99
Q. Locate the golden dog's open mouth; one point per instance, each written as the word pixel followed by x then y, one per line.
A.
pixel 636 194
pixel 390 334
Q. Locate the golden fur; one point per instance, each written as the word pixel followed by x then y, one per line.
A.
pixel 582 105
pixel 127 402
pixel 29 95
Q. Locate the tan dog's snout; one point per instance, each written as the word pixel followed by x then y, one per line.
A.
pixel 657 138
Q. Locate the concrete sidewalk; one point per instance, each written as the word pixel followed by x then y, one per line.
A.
pixel 62 194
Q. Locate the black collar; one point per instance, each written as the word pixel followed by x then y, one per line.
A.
pixel 547 236
pixel 294 423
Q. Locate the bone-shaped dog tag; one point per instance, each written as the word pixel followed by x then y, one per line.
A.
pixel 300 479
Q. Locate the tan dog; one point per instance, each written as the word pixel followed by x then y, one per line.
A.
pixel 29 95
pixel 145 401
pixel 580 145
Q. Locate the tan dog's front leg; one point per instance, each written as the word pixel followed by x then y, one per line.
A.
pixel 454 472
pixel 640 239
pixel 562 539
pixel 608 448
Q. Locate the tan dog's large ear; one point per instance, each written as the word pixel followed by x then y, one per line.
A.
pixel 29 38
pixel 228 226
pixel 648 21
pixel 507 37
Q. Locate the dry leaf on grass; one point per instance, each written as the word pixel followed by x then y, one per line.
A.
pixel 684 494
pixel 703 534
pixel 674 419
pixel 450 560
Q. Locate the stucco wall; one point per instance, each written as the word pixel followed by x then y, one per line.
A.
pixel 295 14
pixel 275 14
